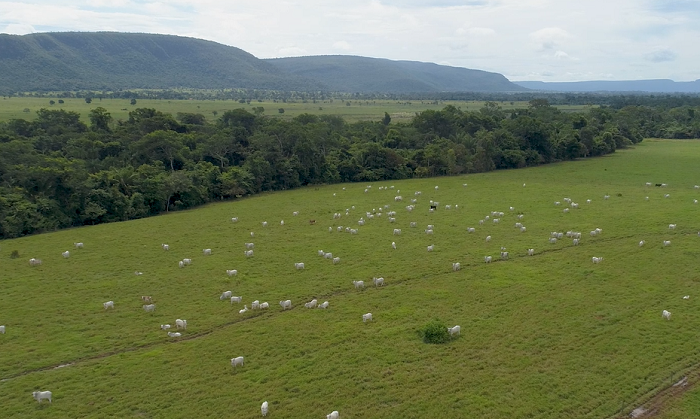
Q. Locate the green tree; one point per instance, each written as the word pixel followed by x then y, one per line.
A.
pixel 88 100
pixel 100 119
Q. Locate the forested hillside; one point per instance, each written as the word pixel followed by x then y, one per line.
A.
pixel 112 61
pixel 58 171
pixel 345 73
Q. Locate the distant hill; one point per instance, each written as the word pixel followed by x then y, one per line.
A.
pixel 647 86
pixel 111 61
pixel 361 74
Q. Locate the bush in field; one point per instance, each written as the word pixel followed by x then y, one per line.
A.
pixel 14 254
pixel 435 332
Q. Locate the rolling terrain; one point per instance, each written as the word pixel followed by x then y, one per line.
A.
pixel 549 336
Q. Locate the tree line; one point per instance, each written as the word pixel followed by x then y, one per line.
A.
pixel 58 171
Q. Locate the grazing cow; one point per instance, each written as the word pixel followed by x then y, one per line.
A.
pixel 328 255
pixel 264 305
pixel 108 304
pixel 165 326
pixel 330 229
pixel 667 242
pixel 552 240
pixel 481 222
pixel 557 203
pixel 78 245
pixel 666 314
pixel 146 298
pixel 2 329
pixel 336 260
pixel 252 234
pixel 41 395
pixel 378 282
pixel 299 265
pixel 487 259
pixel 393 245
pixel 431 247
pixel 243 310
pixel 263 408
pixel 523 229
pixel 456 266
pixel 471 230
pixel 504 255
pixel 366 317
pixel 149 308
pixel 286 304
pixel 671 226
pixel 324 305
pixel 596 260
pixel 428 231
pixel 237 361
pixel 488 238
pixel 566 210
pixel 397 232
pixel 165 246
pixel 321 253
pixel 667 196
pixel 606 197
pixel 248 253
pixel 187 261
pixel 334 414
pixel 264 223
pixel 641 243
pixel 413 224
pixel 34 262
pixel 231 272
pixel 181 264
pixel 180 324
pixel 530 252
pixel 359 284
pixel 454 330
pixel 225 295
pixel 353 231
pixel 576 242
pixel 281 222
pixel 496 220
pixel 647 184
pixel 66 254
pixel 249 246
pixel 311 304
pixel 686 297
pixel 174 334
pixel 206 251
pixel 234 219
pixel 255 305
pixel 236 299
pixel 588 201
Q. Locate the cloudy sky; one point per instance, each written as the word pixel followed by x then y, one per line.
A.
pixel 550 40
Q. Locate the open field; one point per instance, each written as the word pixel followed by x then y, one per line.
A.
pixel 11 108
pixel 545 336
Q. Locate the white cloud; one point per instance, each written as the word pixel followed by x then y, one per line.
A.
pixel 549 38
pixel 661 55
pixel 18 29
pixel 342 45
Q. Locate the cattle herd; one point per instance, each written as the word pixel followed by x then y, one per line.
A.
pixel 495 217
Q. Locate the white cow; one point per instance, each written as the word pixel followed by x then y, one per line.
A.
pixel 187 261
pixel 236 299
pixel 641 243
pixel 281 222
pixel 324 305
pixel 34 262
pixel 667 242
pixel 174 334
pixel 165 326
pixel 231 272
pixel 78 245
pixel 311 304
pixel 165 246
pixel 149 308
pixel 523 229
pixel 431 247
pixel 487 259
pixel 378 282
pixel 685 297
pixel 576 241
pixel 263 407
pixel 206 251
pixel 471 230
pixel 181 264
pixel 454 330
pixel 249 246
pixel 286 304
pixel 264 223
pixel 456 266
pixel 255 305
pixel 413 224
pixel 295 213
pixel 552 240
pixel 504 255
pixel 328 255
pixel 180 324
pixel 237 361
pixel 429 231
pixel 225 295
pixel 299 265
pixel 334 414
pixel 666 314
pixel 397 232
pixel 108 304
pixel 359 284
pixel 234 219
pixel 530 252
pixel 393 245
pixel 366 317
pixel 264 305
pixel 2 329
pixel 597 260
pixel 243 310
pixel 336 260
pixel 248 253
pixel 66 254
pixel 41 395
pixel 488 238
pixel 671 226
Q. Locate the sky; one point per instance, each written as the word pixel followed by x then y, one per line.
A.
pixel 548 40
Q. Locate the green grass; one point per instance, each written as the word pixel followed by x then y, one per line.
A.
pixel 547 336
pixel 400 111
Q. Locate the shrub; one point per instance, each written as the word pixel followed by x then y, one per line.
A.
pixel 435 332
pixel 14 254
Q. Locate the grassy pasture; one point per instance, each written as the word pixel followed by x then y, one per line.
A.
pixel 547 336
pixel 373 110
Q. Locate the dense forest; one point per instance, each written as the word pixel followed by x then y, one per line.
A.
pixel 58 171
